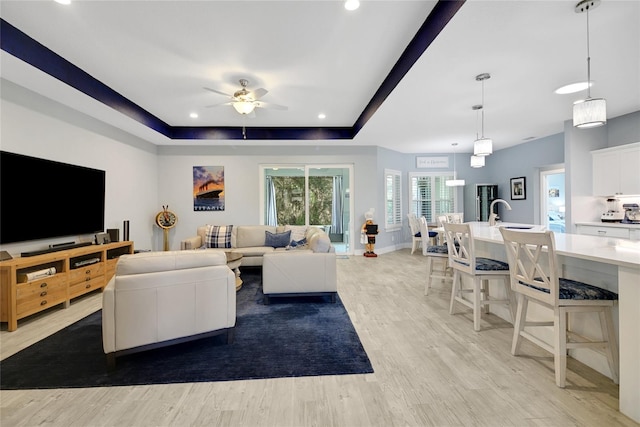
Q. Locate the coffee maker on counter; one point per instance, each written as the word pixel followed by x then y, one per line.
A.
pixel 631 213
pixel 614 212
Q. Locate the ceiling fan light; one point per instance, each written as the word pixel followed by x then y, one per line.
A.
pixel 244 107
pixel 589 113
pixel 483 147
pixel 477 161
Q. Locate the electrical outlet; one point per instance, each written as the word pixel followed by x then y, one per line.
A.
pixel 393 238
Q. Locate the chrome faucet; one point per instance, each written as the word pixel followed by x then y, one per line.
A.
pixel 494 216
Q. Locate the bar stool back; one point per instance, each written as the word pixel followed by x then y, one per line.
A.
pixel 535 278
pixel 463 260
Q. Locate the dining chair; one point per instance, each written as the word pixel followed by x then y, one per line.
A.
pixel 440 220
pixel 434 254
pixel 464 262
pixel 534 270
pixel 456 217
pixel 416 238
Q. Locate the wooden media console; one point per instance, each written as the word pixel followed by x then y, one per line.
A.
pixel 27 288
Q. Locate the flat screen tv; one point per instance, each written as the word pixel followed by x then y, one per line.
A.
pixel 43 199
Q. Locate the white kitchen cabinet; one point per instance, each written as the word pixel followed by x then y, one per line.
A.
pixel 603 230
pixel 615 170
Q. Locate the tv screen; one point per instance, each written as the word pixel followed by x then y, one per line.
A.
pixel 41 199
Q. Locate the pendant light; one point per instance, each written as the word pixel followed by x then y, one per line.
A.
pixel 590 112
pixel 483 146
pixel 477 161
pixel 454 182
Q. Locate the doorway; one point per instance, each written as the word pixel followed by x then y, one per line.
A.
pixel 552 199
pixel 312 195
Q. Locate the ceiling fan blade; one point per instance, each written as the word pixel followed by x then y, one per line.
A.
pixel 270 106
pixel 219 92
pixel 259 93
pixel 218 105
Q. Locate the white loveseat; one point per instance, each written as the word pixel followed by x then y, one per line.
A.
pixel 162 298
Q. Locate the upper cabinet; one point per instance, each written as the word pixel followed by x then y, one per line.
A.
pixel 616 170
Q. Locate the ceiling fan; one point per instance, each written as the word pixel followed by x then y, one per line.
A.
pixel 246 101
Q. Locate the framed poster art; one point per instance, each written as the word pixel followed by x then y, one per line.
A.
pixel 518 190
pixel 208 188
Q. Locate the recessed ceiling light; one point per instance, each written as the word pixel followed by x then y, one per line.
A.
pixel 572 88
pixel 193 115
pixel 63 1
pixel 322 116
pixel 351 4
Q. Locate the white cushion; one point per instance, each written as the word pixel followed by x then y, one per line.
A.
pixel 298 232
pixel 251 235
pixel 151 262
pixel 320 243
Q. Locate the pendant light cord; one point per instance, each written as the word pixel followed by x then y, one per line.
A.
pixel 588 60
pixel 482 109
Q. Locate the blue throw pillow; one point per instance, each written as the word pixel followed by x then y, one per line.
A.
pixel 277 240
pixel 301 242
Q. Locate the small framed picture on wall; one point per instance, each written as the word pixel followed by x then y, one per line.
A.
pixel 518 190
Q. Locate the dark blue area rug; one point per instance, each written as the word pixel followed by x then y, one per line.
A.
pixel 291 337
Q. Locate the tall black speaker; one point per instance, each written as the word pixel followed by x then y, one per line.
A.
pixel 114 234
pixel 125 231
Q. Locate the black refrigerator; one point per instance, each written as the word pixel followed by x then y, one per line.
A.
pixel 485 194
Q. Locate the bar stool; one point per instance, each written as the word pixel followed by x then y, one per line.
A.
pixel 434 253
pixel 463 260
pixel 535 277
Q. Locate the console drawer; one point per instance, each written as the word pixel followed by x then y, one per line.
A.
pixel 32 297
pixel 87 285
pixel 90 271
pixel 37 287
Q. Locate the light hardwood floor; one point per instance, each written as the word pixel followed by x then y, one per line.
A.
pixel 431 369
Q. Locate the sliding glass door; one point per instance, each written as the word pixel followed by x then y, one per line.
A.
pixel 317 195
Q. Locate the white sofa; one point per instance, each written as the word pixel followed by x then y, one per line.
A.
pixel 249 240
pixel 162 298
pixel 308 269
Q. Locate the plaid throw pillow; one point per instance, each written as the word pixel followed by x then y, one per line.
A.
pixel 218 236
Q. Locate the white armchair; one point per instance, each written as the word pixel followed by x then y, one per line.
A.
pixel 157 299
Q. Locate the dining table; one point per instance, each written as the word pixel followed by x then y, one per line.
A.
pixel 609 263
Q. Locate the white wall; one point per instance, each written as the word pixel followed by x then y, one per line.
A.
pixel 131 171
pixel 242 181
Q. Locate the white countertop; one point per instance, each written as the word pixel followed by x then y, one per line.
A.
pixel 620 252
pixel 610 224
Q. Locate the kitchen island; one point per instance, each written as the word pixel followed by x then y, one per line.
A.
pixel 609 263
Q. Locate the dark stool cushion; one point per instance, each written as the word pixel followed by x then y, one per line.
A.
pixel 572 289
pixel 488 264
pixel 442 250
